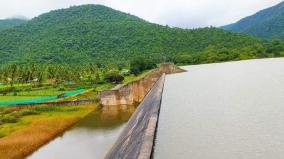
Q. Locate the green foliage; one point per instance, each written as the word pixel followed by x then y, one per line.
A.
pixel 275 47
pixel 82 44
pixel 139 64
pixel 268 23
pixel 9 23
pixel 113 76
pixel 54 109
pixel 7 111
pixel 9 119
pixel 29 112
pixel 61 89
pixel 106 37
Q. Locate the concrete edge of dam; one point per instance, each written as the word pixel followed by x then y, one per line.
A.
pixel 137 138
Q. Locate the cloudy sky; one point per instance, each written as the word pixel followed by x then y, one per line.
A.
pixel 178 13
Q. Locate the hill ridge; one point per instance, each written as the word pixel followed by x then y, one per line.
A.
pixel 267 23
pixel 10 22
pixel 102 35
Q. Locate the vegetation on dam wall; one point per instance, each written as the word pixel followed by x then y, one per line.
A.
pixel 135 91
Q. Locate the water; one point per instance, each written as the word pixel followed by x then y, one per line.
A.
pixel 91 138
pixel 231 110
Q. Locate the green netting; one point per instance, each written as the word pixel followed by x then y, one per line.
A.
pixel 70 93
pixel 31 101
pixel 39 100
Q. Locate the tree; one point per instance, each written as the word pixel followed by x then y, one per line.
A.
pixel 113 76
pixel 14 70
pixel 139 64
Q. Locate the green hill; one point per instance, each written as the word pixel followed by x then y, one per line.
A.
pixel 98 34
pixel 9 23
pixel 268 23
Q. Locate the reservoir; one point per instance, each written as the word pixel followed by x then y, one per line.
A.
pixel 232 110
pixel 90 138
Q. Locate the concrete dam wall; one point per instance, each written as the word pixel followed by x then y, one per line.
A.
pixel 136 140
pixel 135 91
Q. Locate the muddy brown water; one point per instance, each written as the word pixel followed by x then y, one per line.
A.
pixel 90 138
pixel 232 110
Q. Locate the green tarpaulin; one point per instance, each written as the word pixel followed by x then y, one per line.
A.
pixel 39 100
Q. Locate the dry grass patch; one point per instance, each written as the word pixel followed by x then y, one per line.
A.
pixel 41 130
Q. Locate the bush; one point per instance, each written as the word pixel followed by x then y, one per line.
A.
pixel 44 109
pixel 9 119
pixel 101 82
pixel 7 111
pixel 70 109
pixel 49 109
pixel 16 114
pixel 61 89
pixel 28 89
pixel 29 112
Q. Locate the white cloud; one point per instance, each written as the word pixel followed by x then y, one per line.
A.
pixel 179 13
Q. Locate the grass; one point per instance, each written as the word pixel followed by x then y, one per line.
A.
pixel 19 139
pixel 134 78
pixel 12 98
pixel 87 95
pixel 16 85
pixel 31 94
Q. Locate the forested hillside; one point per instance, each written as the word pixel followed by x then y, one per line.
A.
pixel 9 23
pixel 268 23
pixel 101 35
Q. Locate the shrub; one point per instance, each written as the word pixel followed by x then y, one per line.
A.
pixel 48 109
pixel 101 82
pixel 28 89
pixel 29 112
pixel 44 109
pixel 61 89
pixel 70 109
pixel 7 111
pixel 9 119
pixel 16 114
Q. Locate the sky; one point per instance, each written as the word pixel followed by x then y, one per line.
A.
pixel 175 13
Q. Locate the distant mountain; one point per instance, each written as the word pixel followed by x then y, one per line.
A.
pixel 98 34
pixel 268 23
pixel 8 23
